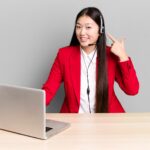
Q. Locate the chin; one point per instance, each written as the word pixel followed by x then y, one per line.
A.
pixel 84 45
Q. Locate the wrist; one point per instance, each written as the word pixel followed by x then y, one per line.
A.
pixel 123 58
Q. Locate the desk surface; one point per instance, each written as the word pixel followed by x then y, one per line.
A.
pixel 89 132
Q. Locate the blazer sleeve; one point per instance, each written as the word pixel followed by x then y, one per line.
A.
pixel 55 78
pixel 126 77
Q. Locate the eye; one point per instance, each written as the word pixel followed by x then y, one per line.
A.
pixel 88 27
pixel 78 27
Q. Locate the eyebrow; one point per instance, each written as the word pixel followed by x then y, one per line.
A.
pixel 85 24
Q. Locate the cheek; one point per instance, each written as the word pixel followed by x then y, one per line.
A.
pixel 77 33
pixel 95 36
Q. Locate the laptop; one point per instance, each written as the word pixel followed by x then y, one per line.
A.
pixel 23 111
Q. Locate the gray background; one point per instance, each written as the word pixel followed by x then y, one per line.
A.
pixel 32 31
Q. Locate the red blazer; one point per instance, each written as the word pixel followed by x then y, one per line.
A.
pixel 66 68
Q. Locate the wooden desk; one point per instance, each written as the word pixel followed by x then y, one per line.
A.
pixel 129 131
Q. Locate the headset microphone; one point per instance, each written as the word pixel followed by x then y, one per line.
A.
pixel 91 44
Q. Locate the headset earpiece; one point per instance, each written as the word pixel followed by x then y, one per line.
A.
pixel 102 25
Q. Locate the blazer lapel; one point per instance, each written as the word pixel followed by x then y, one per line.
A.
pixel 75 67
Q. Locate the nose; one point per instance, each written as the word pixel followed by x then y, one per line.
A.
pixel 82 31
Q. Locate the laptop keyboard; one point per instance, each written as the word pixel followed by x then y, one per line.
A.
pixel 48 128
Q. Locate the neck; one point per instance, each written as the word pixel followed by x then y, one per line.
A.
pixel 88 49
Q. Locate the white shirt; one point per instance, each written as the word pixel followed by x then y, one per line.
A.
pixel 84 103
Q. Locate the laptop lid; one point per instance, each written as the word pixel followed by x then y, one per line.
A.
pixel 22 110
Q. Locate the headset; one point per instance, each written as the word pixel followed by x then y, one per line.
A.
pixel 102 24
pixel 101 28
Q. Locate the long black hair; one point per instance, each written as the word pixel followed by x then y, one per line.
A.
pixel 102 81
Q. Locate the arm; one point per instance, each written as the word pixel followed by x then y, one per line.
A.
pixel 54 80
pixel 125 72
pixel 126 77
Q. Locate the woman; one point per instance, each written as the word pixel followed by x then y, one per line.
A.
pixel 89 68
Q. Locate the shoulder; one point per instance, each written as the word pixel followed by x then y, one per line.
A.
pixel 108 49
pixel 110 55
pixel 68 51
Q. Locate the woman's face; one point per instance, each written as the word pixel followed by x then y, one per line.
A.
pixel 87 31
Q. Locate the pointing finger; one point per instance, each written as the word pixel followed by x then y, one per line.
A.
pixel 111 37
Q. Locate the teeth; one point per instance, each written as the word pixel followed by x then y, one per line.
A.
pixel 83 39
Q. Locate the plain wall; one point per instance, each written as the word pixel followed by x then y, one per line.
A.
pixel 32 31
